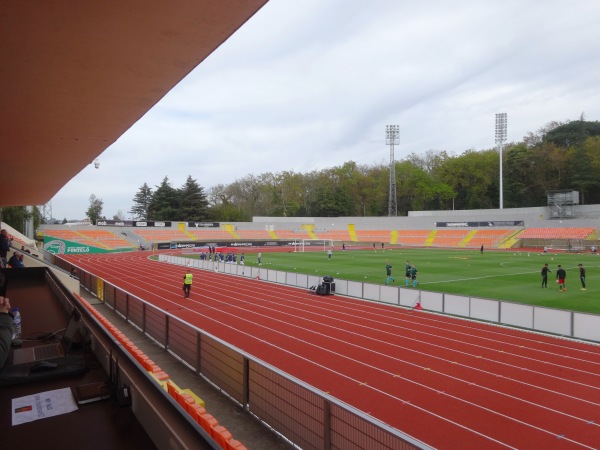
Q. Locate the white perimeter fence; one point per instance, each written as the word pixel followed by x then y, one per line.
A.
pixel 548 320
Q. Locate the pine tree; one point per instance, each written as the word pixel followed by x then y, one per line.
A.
pixel 194 205
pixel 165 202
pixel 141 202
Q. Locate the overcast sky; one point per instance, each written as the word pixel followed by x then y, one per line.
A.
pixel 311 84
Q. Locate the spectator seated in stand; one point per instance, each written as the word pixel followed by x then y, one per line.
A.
pixel 16 261
pixel 5 241
pixel 6 329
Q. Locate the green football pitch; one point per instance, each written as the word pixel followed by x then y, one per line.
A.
pixel 501 275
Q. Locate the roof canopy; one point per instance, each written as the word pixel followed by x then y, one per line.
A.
pixel 77 74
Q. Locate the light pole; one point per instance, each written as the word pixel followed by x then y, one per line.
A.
pixel 500 140
pixel 392 138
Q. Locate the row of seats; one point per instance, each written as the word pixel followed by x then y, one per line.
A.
pixel 75 236
pixel 161 235
pixel 488 238
pixel 438 238
pixel 211 234
pixel 108 238
pixel 291 234
pixel 556 233
pixel 95 238
pixel 190 402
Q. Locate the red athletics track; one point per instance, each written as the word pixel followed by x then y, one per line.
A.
pixel 448 382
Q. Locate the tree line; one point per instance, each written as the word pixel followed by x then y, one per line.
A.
pixel 560 155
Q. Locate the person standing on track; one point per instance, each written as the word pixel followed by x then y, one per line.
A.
pixel 561 276
pixel 388 272
pixel 582 276
pixel 545 271
pixel 407 269
pixel 187 283
pixel 259 257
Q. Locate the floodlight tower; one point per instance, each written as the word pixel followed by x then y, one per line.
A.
pixel 46 212
pixel 500 140
pixel 392 138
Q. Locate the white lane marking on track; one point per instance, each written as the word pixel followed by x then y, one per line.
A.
pixel 258 325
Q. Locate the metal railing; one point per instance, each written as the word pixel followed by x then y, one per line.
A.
pixel 305 416
pixel 565 323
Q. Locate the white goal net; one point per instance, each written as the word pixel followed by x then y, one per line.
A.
pixel 311 245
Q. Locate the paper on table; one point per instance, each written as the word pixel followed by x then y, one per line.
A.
pixel 42 405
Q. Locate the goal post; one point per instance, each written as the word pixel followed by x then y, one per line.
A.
pixel 314 245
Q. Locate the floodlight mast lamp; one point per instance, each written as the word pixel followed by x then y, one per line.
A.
pixel 392 138
pixel 500 140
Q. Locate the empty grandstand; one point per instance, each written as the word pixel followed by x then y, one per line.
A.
pixel 523 227
pixel 91 237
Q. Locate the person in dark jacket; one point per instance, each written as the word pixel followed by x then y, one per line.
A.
pixel 4 244
pixel 582 276
pixel 16 261
pixel 561 276
pixel 6 329
pixel 388 272
pixel 545 271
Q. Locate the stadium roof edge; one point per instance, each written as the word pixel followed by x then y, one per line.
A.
pixel 77 75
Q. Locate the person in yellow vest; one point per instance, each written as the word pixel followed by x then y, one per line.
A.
pixel 187 284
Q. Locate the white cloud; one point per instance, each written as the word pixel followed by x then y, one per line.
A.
pixel 311 84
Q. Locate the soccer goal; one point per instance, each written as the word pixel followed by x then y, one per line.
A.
pixel 311 245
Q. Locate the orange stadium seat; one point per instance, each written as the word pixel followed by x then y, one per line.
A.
pixel 335 235
pixel 221 435
pixel 489 238
pixel 413 237
pixel 292 234
pixel 207 421
pixel 253 234
pixel 108 238
pixel 373 235
pixel 161 235
pixel 235 445
pixel 556 233
pixel 196 411
pixel 449 238
pixel 73 236
pixel 211 234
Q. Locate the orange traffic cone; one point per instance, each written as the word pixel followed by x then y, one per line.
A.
pixel 418 306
